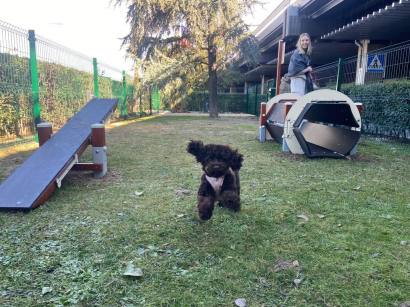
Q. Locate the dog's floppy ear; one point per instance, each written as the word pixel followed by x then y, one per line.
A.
pixel 236 160
pixel 196 148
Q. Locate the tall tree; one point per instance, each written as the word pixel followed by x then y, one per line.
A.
pixel 195 33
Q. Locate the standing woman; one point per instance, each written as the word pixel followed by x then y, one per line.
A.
pixel 299 70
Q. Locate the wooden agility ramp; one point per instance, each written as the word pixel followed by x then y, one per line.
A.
pixel 31 184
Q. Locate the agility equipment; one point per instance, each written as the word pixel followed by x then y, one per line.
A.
pixel 31 184
pixel 322 123
pixel 273 115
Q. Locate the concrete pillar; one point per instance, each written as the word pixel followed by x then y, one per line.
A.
pixel 361 67
pixel 263 85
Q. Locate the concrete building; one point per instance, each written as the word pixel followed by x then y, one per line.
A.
pixel 339 29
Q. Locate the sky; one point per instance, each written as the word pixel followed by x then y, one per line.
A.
pixel 92 27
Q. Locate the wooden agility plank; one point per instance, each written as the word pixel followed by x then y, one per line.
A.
pixel 34 181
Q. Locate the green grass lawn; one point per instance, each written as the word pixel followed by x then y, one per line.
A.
pixel 351 240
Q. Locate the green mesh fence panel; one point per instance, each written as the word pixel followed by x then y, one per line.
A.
pixel 254 99
pixel 131 100
pixel 16 115
pixel 65 80
pixel 65 83
pixel 110 86
pixel 155 99
pixel 227 102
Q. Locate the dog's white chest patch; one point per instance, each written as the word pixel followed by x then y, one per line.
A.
pixel 216 183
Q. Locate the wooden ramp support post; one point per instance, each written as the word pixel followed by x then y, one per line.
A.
pixel 45 130
pixel 285 148
pixel 99 149
pixel 262 123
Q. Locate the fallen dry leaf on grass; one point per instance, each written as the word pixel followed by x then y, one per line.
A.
pixel 132 271
pixel 182 192
pixel 303 217
pixel 297 282
pixel 285 264
pixel 46 290
pixel 138 193
pixel 240 302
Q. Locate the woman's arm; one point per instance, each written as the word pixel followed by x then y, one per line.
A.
pixel 298 65
pixel 307 69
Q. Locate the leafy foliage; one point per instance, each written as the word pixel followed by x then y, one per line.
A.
pixel 187 42
pixel 63 91
pixel 15 106
pixel 386 106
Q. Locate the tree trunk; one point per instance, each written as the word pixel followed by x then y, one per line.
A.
pixel 212 80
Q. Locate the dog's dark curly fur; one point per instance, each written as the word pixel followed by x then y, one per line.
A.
pixel 217 161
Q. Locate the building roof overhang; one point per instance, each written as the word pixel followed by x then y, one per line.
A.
pixel 256 73
pixel 387 24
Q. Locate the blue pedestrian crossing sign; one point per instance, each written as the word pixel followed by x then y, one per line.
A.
pixel 375 62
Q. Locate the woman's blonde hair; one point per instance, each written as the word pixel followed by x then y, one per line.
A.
pixel 299 44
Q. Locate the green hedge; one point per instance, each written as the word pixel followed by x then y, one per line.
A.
pixel 16 117
pixel 386 107
pixel 63 91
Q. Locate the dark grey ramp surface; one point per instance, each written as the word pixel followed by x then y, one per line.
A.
pixel 28 182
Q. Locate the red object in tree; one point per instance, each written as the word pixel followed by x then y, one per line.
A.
pixel 185 43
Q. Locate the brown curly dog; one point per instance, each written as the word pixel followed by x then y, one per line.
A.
pixel 220 180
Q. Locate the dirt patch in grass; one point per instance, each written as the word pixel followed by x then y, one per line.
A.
pixel 9 163
pixel 363 158
pixel 113 176
pixel 289 156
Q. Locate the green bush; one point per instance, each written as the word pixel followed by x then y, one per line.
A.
pixel 386 107
pixel 15 106
pixel 63 92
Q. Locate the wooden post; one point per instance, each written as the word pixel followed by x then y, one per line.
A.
pixel 262 117
pixel 99 148
pixel 360 107
pixel 262 123
pixel 45 130
pixel 281 59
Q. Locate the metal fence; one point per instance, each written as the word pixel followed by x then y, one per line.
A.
pixel 386 104
pixel 396 66
pixel 248 102
pixel 41 80
pixel 227 102
pixel 16 112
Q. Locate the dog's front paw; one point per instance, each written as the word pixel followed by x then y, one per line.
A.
pixel 205 207
pixel 205 215
pixel 231 200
